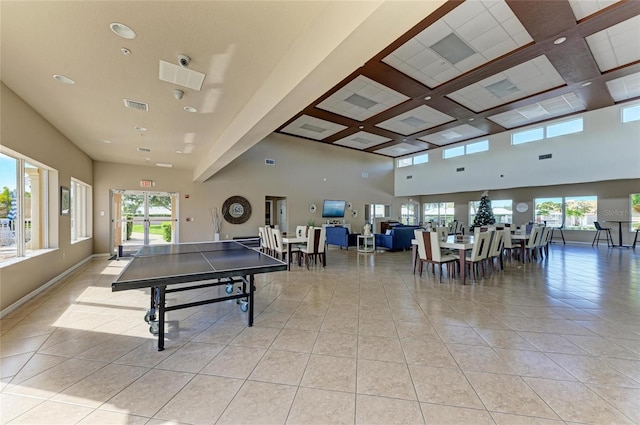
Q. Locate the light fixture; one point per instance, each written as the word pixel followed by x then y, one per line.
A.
pixel 122 30
pixel 105 141
pixel 178 151
pixel 190 109
pixel 361 127
pixel 559 40
pixel 125 51
pixel 164 165
pixel 427 98
pixel 471 119
pixel 63 79
pixel 588 83
pixel 137 127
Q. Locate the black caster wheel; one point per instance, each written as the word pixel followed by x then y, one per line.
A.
pixel 148 316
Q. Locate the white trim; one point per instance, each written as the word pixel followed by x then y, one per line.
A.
pixel 42 288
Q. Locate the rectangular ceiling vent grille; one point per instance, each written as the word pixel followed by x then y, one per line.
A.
pixel 459 169
pixel 409 177
pixel 133 104
pixel 365 175
pixel 269 161
pixel 547 156
pixel 144 150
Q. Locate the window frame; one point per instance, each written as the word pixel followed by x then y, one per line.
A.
pixel 80 211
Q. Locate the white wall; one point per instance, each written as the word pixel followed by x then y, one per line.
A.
pixel 605 150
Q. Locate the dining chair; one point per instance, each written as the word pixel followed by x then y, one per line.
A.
pixel 478 253
pixel 422 253
pixel 533 244
pixel 435 255
pixel 315 247
pixel 545 240
pixel 301 231
pixel 270 241
pixel 636 238
pixel 494 255
pixel 280 249
pixel 599 230
pixel 262 236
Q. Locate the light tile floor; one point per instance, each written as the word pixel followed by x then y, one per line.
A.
pixel 363 341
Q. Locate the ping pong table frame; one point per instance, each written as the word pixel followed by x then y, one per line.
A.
pixel 159 289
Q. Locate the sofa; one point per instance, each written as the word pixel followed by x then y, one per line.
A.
pixel 397 238
pixel 340 236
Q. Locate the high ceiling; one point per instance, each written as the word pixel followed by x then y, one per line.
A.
pixel 481 67
pixel 434 72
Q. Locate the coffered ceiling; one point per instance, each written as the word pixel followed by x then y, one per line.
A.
pixel 385 77
pixel 476 68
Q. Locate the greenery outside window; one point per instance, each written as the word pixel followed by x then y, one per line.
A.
pixel 634 200
pixel 580 212
pixel 548 210
pixel 409 213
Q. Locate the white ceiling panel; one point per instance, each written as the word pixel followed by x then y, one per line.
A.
pixel 469 36
pixel 523 80
pixel 418 119
pixel 616 46
pixel 625 87
pixel 312 128
pixel 362 140
pixel 544 110
pixel 455 134
pixel 582 8
pixel 362 98
pixel 401 149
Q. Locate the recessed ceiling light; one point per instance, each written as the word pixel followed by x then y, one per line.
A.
pixel 559 40
pixel 190 109
pixel 122 30
pixel 361 127
pixel 164 165
pixel 125 51
pixel 63 79
pixel 427 98
pixel 178 151
pixel 471 119
pixel 105 141
pixel 588 83
pixel 137 127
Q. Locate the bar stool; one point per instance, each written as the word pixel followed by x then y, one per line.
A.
pixel 636 238
pixel 606 231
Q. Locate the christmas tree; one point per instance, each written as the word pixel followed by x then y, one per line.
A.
pixel 484 216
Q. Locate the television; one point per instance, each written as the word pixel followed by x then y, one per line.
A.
pixel 333 209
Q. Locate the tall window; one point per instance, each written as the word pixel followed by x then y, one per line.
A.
pixel 23 206
pixel 441 213
pixel 580 212
pixel 634 200
pixel 631 113
pixel 80 210
pixel 548 210
pixel 409 213
pixel 502 210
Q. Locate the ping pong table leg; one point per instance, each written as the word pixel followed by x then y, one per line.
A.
pixel 161 318
pixel 251 290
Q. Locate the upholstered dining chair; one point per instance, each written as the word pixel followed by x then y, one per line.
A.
pixel 280 249
pixel 435 255
pixel 494 255
pixel 478 254
pixel 301 231
pixel 263 239
pixel 533 243
pixel 316 241
pixel 545 240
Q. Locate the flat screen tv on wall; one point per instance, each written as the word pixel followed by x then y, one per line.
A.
pixel 333 209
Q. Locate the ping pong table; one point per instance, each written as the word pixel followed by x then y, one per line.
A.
pixel 182 267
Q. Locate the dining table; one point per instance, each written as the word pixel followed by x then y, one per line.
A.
pixel 290 241
pixel 619 232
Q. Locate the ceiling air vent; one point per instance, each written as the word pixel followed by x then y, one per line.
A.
pixel 547 156
pixel 269 161
pixel 409 177
pixel 459 169
pixel 134 104
pixel 144 150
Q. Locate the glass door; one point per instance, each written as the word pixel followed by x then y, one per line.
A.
pixel 142 218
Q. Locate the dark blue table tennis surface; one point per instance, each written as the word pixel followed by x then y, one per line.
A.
pixel 176 263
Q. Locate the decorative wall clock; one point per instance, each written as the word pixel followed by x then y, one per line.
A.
pixel 236 210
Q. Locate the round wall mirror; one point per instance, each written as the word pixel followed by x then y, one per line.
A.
pixel 522 207
pixel 236 210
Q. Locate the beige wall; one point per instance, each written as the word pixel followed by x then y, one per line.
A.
pixel 25 131
pixel 305 172
pixel 613 203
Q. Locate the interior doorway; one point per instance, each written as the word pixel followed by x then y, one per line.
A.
pixel 142 218
pixel 275 212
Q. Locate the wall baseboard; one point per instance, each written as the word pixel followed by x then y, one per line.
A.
pixel 48 284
